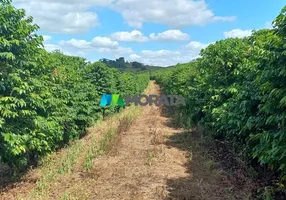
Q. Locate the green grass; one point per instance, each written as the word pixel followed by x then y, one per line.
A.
pixel 65 161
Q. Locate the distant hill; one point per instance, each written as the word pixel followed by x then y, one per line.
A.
pixel 125 66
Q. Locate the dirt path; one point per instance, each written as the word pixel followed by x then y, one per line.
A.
pixel 152 160
pixel 143 163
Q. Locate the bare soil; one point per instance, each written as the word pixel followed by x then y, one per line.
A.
pixel 152 160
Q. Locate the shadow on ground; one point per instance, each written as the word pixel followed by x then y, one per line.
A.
pixel 7 179
pixel 206 178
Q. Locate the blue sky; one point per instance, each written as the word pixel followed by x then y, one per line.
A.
pixel 157 32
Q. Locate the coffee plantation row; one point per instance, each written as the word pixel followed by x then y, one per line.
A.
pixel 48 99
pixel 237 90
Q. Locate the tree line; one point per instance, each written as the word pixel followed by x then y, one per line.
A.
pixel 237 91
pixel 48 99
pixel 126 66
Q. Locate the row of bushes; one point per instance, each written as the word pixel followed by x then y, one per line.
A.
pixel 48 99
pixel 237 89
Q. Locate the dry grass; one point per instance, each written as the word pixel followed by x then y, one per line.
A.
pixel 131 158
pixel 158 137
pixel 77 157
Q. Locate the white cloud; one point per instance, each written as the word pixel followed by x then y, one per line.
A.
pixel 237 33
pixel 74 16
pixel 137 36
pixel 133 36
pixel 52 47
pixel 60 16
pixel 117 52
pixel 105 45
pixel 165 58
pixel 97 42
pixel 83 47
pixel 104 42
pixel 224 19
pixel 170 35
pixel 160 57
pixel 79 44
pixel 268 25
pixel 134 57
pixel 194 45
pixel 174 13
pixel 47 38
